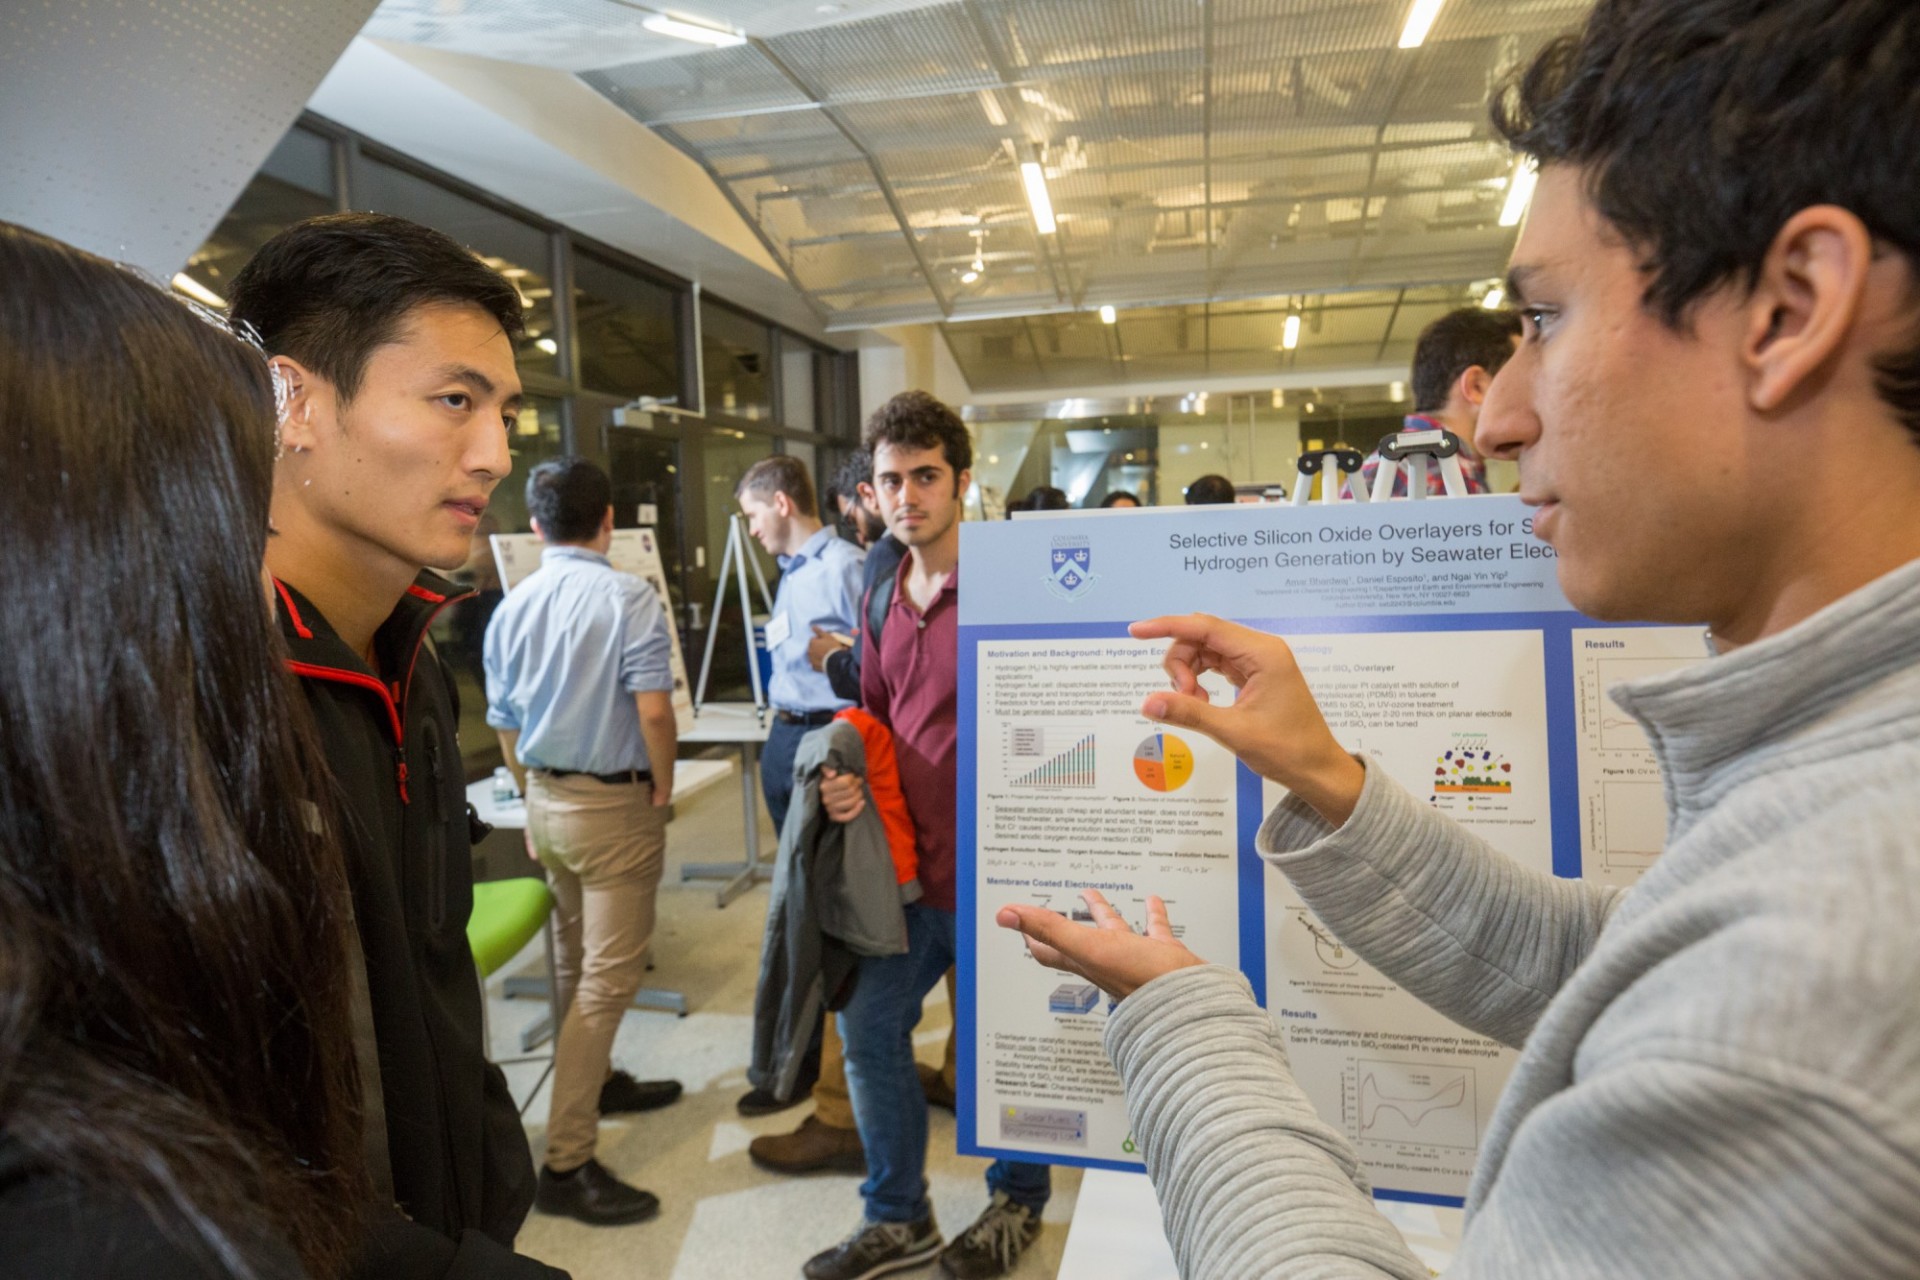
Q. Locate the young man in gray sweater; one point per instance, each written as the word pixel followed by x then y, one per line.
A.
pixel 1716 411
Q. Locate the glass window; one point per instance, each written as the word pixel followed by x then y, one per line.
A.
pixel 628 332
pixel 461 628
pixel 796 384
pixel 736 352
pixel 295 183
pixel 521 252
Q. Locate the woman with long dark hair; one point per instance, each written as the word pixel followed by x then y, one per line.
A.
pixel 177 1092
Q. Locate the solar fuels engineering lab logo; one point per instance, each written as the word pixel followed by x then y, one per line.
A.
pixel 1071 574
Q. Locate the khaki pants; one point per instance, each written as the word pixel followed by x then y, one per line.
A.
pixel 603 845
pixel 832 1105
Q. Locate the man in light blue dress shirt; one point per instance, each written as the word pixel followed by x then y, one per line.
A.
pixel 580 689
pixel 819 593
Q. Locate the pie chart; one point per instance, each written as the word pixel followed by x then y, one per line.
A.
pixel 1163 762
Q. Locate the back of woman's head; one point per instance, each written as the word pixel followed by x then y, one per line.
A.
pixel 173 1019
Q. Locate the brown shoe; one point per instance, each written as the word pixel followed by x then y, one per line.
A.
pixel 934 1084
pixel 812 1148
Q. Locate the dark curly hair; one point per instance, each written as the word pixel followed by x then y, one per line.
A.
pixel 918 421
pixel 1702 126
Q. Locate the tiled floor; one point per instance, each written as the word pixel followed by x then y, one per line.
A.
pixel 721 1215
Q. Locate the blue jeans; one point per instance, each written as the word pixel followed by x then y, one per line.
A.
pixel 891 1112
pixel 776 768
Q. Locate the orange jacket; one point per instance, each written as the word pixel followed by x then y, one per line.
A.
pixel 883 780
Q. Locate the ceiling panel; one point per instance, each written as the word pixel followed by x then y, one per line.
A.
pixel 1193 152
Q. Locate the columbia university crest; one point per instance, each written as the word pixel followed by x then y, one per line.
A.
pixel 1071 571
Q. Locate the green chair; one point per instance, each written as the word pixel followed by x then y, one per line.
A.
pixel 506 916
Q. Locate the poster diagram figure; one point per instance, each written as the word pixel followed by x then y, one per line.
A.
pixel 1412 1104
pixel 1074 997
pixel 1050 758
pixel 1327 948
pixel 1163 762
pixel 1623 799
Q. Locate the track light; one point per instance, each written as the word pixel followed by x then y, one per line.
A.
pixel 1108 315
pixel 1519 191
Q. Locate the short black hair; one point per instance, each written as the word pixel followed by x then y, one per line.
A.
pixel 855 470
pixel 1211 490
pixel 782 473
pixel 1702 126
pixel 918 421
pixel 1119 496
pixel 569 497
pixel 1455 343
pixel 331 290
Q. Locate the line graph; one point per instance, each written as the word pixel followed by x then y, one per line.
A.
pixel 1412 1103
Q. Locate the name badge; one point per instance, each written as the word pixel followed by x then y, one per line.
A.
pixel 778 629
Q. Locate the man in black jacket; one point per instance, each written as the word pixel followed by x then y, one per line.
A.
pixel 394 346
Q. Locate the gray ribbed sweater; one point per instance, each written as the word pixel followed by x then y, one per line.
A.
pixel 1721 1068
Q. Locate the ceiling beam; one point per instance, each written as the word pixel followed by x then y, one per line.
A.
pixel 879 175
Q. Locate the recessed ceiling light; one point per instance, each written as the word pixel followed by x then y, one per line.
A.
pixel 1108 315
pixel 1290 334
pixel 698 32
pixel 206 297
pixel 1519 192
pixel 1419 23
pixel 1495 299
pixel 969 277
pixel 1037 198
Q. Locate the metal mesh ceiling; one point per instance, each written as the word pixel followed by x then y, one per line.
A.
pixel 1196 151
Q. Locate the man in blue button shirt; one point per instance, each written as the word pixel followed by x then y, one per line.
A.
pixel 580 687
pixel 819 590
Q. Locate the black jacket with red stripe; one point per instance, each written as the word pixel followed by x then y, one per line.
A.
pixel 458 1155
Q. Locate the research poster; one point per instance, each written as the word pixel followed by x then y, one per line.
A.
pixel 1437 641
pixel 634 551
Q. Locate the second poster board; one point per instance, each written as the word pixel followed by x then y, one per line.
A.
pixel 634 551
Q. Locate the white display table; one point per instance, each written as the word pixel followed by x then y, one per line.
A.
pixel 1116 1232
pixel 740 726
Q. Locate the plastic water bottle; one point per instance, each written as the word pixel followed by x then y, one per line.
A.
pixel 503 790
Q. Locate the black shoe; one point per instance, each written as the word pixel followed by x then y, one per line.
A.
pixel 622 1092
pixel 876 1248
pixel 592 1195
pixel 761 1102
pixel 992 1244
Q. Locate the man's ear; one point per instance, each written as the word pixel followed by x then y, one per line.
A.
pixel 1805 303
pixel 867 494
pixel 962 482
pixel 304 393
pixel 538 532
pixel 606 521
pixel 1473 386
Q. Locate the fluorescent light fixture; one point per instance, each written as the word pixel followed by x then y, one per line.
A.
pixel 1290 335
pixel 990 103
pixel 1037 197
pixel 1108 315
pixel 549 346
pixel 1397 391
pixel 667 24
pixel 1519 192
pixel 1419 22
pixel 206 297
pixel 1279 398
pixel 1495 299
pixel 969 277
